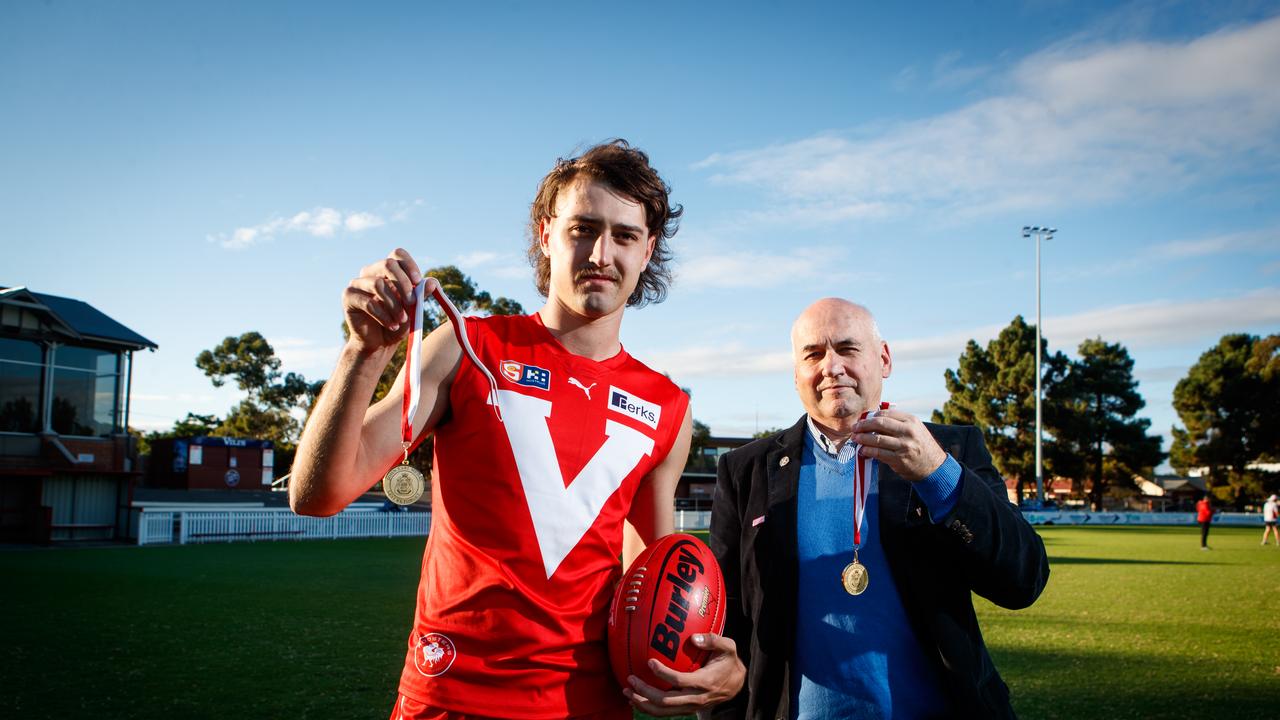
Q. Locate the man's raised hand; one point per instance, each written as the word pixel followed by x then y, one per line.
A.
pixel 378 301
pixel 901 441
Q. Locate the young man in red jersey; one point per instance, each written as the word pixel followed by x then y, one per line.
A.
pixel 539 483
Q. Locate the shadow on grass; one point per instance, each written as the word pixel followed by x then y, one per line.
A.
pixel 1055 684
pixel 1116 561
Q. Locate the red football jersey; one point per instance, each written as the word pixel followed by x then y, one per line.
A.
pixel 527 520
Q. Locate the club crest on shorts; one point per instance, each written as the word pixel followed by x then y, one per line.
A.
pixel 628 404
pixel 433 654
pixel 527 375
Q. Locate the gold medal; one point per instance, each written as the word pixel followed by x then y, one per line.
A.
pixel 403 484
pixel 855 578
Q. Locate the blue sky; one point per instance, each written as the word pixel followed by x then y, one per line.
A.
pixel 201 170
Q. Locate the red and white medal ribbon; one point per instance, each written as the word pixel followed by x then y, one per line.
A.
pixel 413 357
pixel 412 368
pixel 862 469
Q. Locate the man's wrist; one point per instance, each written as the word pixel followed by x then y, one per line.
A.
pixel 940 489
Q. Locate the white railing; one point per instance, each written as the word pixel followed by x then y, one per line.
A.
pixel 687 520
pixel 210 526
pixel 156 527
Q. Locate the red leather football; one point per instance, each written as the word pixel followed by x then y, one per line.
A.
pixel 673 591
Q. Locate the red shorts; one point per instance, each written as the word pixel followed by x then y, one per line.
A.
pixel 409 709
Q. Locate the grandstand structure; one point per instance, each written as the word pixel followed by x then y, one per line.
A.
pixel 67 462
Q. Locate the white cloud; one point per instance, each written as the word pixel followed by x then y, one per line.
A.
pixel 1243 242
pixel 1167 323
pixel 168 397
pixel 320 222
pixel 305 356
pixel 1164 374
pixel 1078 124
pixel 755 269
pixel 1141 325
pixel 478 258
pixel 356 222
pixel 731 359
pixel 406 209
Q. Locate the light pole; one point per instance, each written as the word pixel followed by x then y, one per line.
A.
pixel 1040 233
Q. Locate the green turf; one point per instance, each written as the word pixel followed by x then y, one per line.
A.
pixel 1135 623
pixel 1140 623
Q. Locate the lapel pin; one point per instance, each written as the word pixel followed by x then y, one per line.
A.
pixel 783 462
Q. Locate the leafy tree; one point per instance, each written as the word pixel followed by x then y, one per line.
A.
pixel 254 420
pixel 1229 404
pixel 698 442
pixel 266 413
pixel 994 388
pixel 191 426
pixel 194 426
pixel 1096 404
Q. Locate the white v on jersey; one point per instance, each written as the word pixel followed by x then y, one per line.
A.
pixel 527 524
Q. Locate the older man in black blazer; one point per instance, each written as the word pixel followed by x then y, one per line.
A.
pixel 881 625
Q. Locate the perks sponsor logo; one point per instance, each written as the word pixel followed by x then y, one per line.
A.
pixel 433 654
pixel 628 404
pixel 527 375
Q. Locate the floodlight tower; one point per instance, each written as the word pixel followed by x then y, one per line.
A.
pixel 1039 233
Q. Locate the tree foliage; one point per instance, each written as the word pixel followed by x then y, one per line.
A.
pixel 267 411
pixel 1229 405
pixel 994 389
pixel 192 425
pixel 698 443
pixel 1096 423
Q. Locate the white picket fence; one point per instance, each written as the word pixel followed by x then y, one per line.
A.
pixel 166 527
pixel 211 526
pixel 687 520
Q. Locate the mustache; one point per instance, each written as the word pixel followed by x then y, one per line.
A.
pixel 593 272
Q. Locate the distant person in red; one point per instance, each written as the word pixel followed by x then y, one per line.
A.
pixel 1204 516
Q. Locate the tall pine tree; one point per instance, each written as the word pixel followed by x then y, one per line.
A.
pixel 994 389
pixel 1097 421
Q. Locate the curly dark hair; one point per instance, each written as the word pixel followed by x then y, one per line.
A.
pixel 627 172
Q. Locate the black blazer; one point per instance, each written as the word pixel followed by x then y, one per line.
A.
pixel 984 546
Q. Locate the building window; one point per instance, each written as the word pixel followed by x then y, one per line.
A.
pixel 21 372
pixel 86 384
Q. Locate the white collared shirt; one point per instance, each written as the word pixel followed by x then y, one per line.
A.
pixel 842 454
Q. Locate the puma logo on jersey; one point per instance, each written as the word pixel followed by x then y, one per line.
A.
pixel 584 388
pixel 628 404
pixel 563 513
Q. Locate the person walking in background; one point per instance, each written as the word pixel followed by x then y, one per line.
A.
pixel 1269 512
pixel 1204 516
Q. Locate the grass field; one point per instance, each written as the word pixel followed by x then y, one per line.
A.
pixel 1135 623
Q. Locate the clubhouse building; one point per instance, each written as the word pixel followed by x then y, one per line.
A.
pixel 67 463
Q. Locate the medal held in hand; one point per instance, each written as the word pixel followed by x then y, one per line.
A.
pixel 404 483
pixel 855 577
